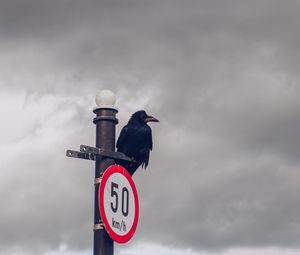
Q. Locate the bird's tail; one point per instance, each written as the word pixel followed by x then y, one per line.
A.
pixel 129 166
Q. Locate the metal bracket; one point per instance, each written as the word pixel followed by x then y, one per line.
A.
pixel 97 180
pixel 92 153
pixel 82 155
pixel 98 226
pixel 105 153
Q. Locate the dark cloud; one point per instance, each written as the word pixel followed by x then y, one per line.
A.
pixel 221 77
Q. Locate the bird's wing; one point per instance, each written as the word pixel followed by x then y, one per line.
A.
pixel 122 138
pixel 148 138
pixel 145 154
pixel 151 143
pixel 147 146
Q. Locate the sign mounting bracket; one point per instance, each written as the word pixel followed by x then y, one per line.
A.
pixel 92 153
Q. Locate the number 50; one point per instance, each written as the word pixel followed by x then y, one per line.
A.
pixel 124 200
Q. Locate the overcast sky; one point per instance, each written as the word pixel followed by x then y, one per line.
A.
pixel 221 76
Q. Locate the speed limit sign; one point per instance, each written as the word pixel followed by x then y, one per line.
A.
pixel 118 202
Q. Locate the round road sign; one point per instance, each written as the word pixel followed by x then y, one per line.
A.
pixel 118 202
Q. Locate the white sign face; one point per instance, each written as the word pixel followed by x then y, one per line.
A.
pixel 118 203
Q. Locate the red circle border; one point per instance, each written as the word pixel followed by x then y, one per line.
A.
pixel 108 172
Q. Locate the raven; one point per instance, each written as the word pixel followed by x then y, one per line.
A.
pixel 135 141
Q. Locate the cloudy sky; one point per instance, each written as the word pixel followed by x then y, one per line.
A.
pixel 222 76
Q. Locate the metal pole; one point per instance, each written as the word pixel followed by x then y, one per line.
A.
pixel 105 121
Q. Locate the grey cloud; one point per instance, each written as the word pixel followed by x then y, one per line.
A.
pixel 221 77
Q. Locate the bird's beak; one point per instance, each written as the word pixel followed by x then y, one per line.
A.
pixel 151 119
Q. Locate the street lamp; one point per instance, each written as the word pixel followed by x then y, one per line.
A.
pixel 104 156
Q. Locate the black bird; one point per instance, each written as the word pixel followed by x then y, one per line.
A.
pixel 135 141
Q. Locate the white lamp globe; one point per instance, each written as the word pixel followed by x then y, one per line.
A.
pixel 105 99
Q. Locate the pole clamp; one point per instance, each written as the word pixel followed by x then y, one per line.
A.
pixel 97 180
pixel 98 226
